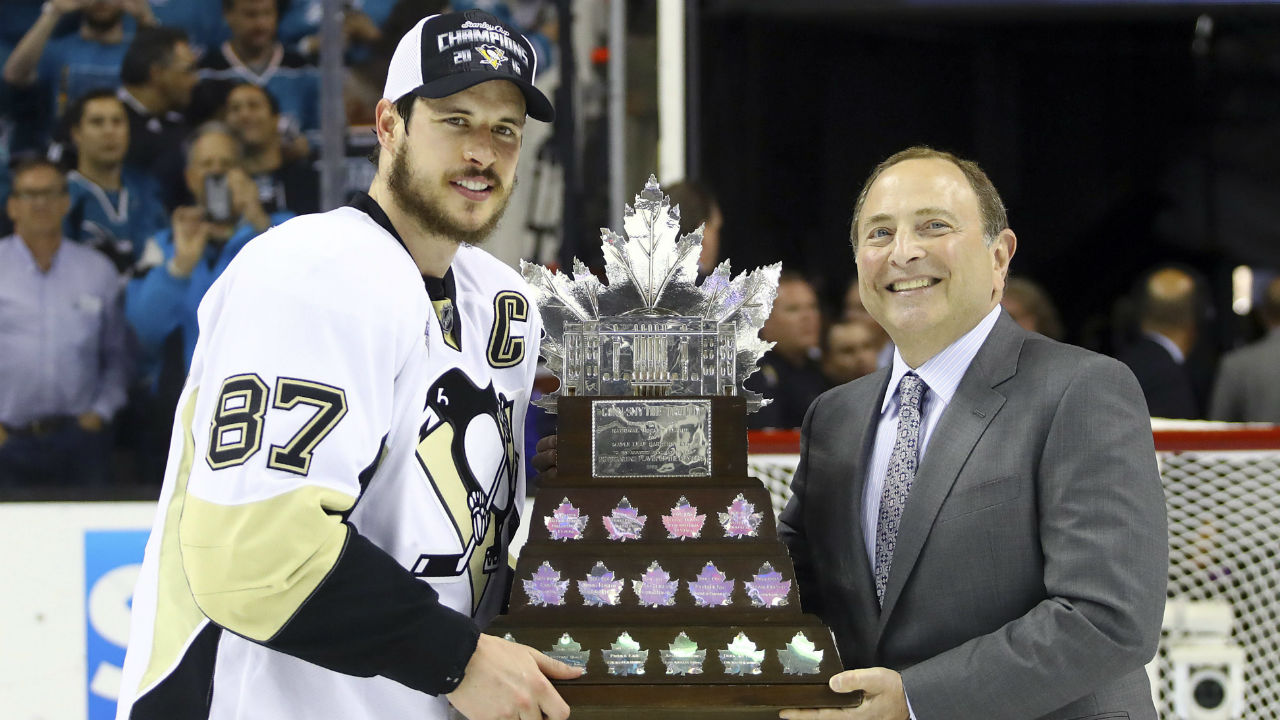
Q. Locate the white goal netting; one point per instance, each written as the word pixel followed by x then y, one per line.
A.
pixel 1224 537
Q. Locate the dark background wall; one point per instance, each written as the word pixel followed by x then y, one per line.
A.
pixel 1118 139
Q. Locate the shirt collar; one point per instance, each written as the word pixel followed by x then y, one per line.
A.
pixel 943 372
pixel 127 98
pixel 237 65
pixel 19 247
pixel 1167 344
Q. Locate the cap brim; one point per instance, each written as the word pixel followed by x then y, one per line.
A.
pixel 536 105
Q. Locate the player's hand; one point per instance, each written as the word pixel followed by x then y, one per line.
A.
pixel 190 234
pixel 546 459
pixel 90 422
pixel 507 680
pixel 244 199
pixel 883 697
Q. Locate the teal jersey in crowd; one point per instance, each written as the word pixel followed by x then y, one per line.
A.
pixel 116 222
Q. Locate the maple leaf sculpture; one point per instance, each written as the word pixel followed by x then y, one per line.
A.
pixel 652 274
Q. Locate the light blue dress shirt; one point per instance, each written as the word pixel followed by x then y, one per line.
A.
pixel 62 334
pixel 942 374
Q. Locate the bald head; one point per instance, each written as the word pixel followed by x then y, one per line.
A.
pixel 1168 301
pixel 1171 284
pixel 213 151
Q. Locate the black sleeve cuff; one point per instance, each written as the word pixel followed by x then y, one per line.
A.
pixel 370 617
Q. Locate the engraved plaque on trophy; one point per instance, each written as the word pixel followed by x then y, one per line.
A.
pixel 654 559
pixel 651 438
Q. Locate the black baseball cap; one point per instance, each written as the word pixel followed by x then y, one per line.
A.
pixel 448 53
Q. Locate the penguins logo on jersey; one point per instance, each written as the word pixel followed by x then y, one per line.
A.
pixel 477 489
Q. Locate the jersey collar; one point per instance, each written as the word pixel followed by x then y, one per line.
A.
pixel 244 71
pixel 437 288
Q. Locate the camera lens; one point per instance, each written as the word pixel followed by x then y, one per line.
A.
pixel 1209 693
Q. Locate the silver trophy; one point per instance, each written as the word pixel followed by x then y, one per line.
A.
pixel 652 514
pixel 654 333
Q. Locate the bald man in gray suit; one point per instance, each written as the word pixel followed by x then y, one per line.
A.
pixel 990 542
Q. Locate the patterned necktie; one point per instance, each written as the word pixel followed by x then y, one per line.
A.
pixel 897 481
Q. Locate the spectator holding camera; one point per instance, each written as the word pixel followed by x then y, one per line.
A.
pixel 64 367
pixel 181 262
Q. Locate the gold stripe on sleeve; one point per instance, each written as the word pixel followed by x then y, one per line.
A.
pixel 177 618
pixel 251 566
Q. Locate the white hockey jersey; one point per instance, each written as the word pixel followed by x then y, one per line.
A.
pixel 344 476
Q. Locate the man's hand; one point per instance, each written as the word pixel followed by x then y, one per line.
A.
pixel 883 699
pixel 546 459
pixel 507 680
pixel 294 147
pixel 190 233
pixel 244 199
pixel 90 422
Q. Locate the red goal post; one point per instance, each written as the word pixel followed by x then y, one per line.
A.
pixel 1170 435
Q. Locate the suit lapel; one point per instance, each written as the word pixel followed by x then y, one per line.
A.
pixel 963 422
pixel 863 413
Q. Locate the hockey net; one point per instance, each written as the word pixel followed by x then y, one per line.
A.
pixel 1222 487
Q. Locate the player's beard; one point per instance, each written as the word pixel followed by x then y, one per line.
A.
pixel 424 205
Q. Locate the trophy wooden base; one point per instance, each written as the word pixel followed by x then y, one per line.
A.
pixel 697 702
pixel 671 590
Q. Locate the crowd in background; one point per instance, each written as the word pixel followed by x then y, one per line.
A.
pixel 1168 344
pixel 142 144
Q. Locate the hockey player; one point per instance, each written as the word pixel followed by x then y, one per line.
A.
pixel 343 476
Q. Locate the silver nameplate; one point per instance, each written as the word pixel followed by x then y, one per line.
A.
pixel 625 656
pixel 570 652
pixel 800 657
pixel 600 588
pixel 683 657
pixel 741 657
pixel 545 587
pixel 656 588
pixel 651 438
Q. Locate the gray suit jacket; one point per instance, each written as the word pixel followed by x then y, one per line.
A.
pixel 1247 388
pixel 1030 570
